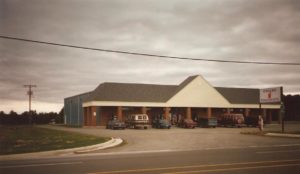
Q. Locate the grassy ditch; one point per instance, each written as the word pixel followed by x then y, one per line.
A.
pixel 24 139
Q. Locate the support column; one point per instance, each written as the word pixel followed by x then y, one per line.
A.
pixel 144 110
pixel 208 112
pixel 228 111
pixel 167 113
pixel 188 113
pixel 93 115
pixel 119 113
pixel 88 116
pixel 247 111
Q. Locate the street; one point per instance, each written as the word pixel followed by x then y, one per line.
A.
pixel 283 158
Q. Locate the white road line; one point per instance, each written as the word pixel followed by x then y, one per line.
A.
pixel 278 151
pixel 278 145
pixel 137 152
pixel 159 169
pixel 233 169
pixel 185 150
pixel 37 165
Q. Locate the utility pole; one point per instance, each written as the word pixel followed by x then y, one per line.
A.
pixel 29 93
pixel 282 110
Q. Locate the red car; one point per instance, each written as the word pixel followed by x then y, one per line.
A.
pixel 187 123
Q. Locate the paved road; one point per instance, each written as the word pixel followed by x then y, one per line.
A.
pixel 268 160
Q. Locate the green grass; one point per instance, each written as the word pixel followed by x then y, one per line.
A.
pixel 24 139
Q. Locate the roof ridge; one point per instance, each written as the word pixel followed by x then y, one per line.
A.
pixel 233 87
pixel 183 85
pixel 136 84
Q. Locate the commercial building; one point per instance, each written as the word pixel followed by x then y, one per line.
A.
pixel 194 97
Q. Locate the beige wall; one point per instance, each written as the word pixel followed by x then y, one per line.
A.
pixel 198 93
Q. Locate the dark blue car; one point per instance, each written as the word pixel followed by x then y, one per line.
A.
pixel 161 123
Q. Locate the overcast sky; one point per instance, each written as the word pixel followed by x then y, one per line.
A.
pixel 256 30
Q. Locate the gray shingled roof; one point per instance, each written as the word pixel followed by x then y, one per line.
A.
pixel 240 95
pixel 130 92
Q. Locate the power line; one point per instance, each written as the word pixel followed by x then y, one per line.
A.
pixel 149 55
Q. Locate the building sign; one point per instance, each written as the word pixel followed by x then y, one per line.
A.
pixel 270 95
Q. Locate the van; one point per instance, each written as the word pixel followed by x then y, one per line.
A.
pixel 138 121
pixel 232 120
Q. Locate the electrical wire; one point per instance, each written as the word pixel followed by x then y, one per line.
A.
pixel 149 55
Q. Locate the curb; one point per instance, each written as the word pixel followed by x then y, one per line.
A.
pixel 111 143
pixel 283 135
pixel 62 152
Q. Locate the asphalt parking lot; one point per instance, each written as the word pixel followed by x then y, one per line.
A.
pixel 188 139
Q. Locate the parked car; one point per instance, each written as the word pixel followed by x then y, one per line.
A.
pixel 207 122
pixel 138 121
pixel 115 124
pixel 161 123
pixel 251 121
pixel 232 120
pixel 187 123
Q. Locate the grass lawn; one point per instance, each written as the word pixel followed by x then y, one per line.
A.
pixel 23 139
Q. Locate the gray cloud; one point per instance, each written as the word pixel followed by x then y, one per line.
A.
pixel 258 30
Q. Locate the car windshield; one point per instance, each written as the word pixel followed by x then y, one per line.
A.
pixel 189 121
pixel 163 121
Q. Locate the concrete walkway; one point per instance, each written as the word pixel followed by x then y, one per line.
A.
pixel 283 135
